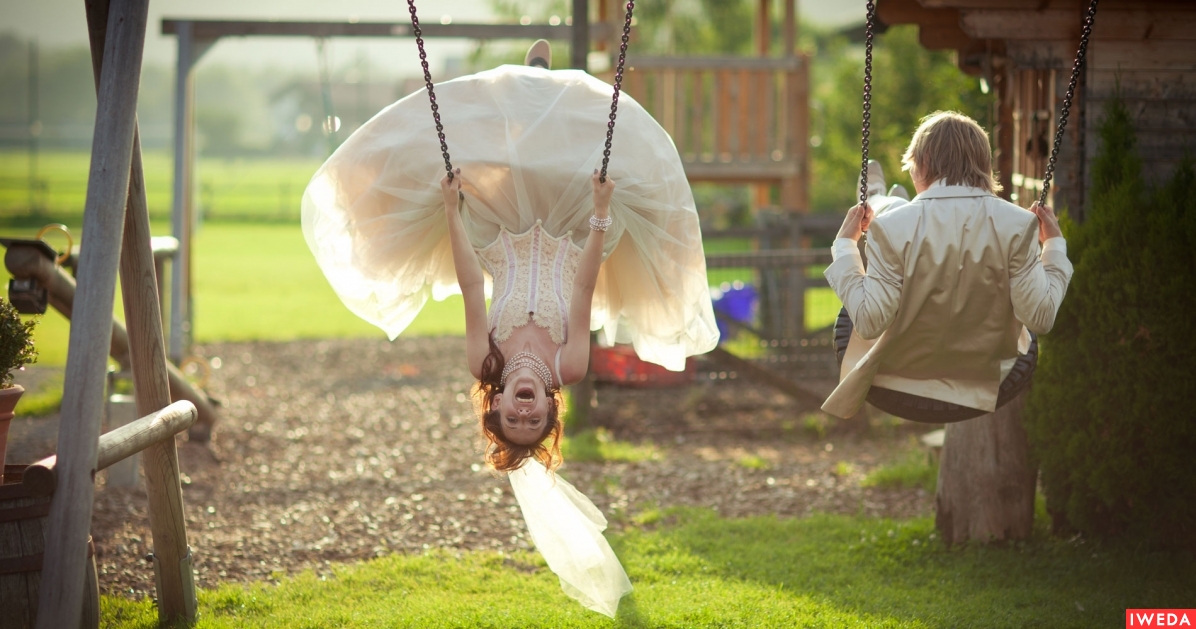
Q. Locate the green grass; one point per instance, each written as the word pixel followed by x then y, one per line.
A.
pixel 913 470
pixel 753 462
pixel 45 400
pixel 238 189
pixel 600 445
pixel 691 568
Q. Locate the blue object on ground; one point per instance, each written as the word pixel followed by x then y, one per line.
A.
pixel 737 302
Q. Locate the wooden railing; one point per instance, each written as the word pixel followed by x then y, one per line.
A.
pixel 733 119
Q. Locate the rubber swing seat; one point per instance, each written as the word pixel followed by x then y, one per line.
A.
pixel 930 411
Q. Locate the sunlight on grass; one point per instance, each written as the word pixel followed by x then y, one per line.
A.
pixel 753 462
pixel 45 400
pixel 600 445
pixel 913 470
pixel 691 568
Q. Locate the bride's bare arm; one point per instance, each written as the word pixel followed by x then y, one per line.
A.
pixel 469 277
pixel 575 356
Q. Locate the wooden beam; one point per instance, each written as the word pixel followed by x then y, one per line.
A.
pixel 41 478
pixel 1072 5
pixel 1110 24
pixel 215 29
pixel 651 62
pixel 893 12
pixel 61 593
pixel 774 258
pixel 755 372
pixel 938 29
pixel 579 35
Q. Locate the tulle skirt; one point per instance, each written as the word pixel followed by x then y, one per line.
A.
pixel 527 141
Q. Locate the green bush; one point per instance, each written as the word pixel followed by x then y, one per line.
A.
pixel 16 343
pixel 1110 416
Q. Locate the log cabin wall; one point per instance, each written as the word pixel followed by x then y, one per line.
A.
pixel 1025 49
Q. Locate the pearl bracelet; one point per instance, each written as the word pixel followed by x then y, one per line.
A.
pixel 601 224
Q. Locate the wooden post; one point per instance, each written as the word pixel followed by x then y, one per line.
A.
pixel 151 382
pixel 986 479
pixel 83 398
pixel 580 46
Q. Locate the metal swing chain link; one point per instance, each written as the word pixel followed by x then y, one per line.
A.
pixel 1076 67
pixel 871 20
pixel 614 103
pixel 423 60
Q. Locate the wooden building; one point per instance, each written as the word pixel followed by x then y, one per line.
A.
pixel 1024 50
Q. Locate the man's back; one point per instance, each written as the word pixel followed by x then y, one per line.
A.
pixel 952 277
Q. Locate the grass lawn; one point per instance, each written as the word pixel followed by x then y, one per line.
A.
pixel 243 189
pixel 691 568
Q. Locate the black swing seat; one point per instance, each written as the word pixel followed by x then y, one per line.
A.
pixel 930 411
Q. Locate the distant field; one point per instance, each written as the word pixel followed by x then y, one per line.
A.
pixel 254 276
pixel 258 189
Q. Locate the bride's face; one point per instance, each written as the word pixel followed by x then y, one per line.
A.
pixel 523 407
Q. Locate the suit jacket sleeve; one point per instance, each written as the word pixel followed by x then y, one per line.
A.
pixel 1037 280
pixel 871 297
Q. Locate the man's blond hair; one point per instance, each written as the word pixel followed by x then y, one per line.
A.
pixel 951 146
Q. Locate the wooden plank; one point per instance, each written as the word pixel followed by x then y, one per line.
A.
pixel 1073 5
pixel 772 258
pixel 949 37
pixel 743 130
pixel 793 389
pixel 1126 56
pixel 712 63
pixel 893 12
pixel 61 594
pixel 215 29
pixel 763 30
pixel 741 172
pixel 1160 85
pixel 722 115
pixel 1110 24
pixel 763 116
pixel 698 121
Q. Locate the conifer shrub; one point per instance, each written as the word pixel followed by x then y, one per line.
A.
pixel 1112 414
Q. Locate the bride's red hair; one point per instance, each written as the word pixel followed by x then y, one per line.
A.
pixel 502 454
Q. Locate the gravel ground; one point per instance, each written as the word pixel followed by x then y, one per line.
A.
pixel 337 451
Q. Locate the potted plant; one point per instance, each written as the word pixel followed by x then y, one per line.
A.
pixel 16 351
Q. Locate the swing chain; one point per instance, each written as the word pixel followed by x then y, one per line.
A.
pixel 871 20
pixel 614 104
pixel 423 60
pixel 1089 18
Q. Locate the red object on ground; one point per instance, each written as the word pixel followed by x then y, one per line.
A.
pixel 620 365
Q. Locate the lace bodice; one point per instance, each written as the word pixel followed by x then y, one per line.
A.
pixel 533 280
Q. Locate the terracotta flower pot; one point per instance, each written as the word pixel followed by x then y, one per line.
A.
pixel 8 402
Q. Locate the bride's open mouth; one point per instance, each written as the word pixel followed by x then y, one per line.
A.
pixel 525 394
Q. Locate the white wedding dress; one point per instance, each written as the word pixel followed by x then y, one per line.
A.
pixel 526 140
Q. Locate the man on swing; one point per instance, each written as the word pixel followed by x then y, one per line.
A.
pixel 956 278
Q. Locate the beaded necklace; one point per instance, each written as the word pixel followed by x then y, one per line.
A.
pixel 531 361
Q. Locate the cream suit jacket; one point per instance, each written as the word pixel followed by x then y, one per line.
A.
pixel 954 278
